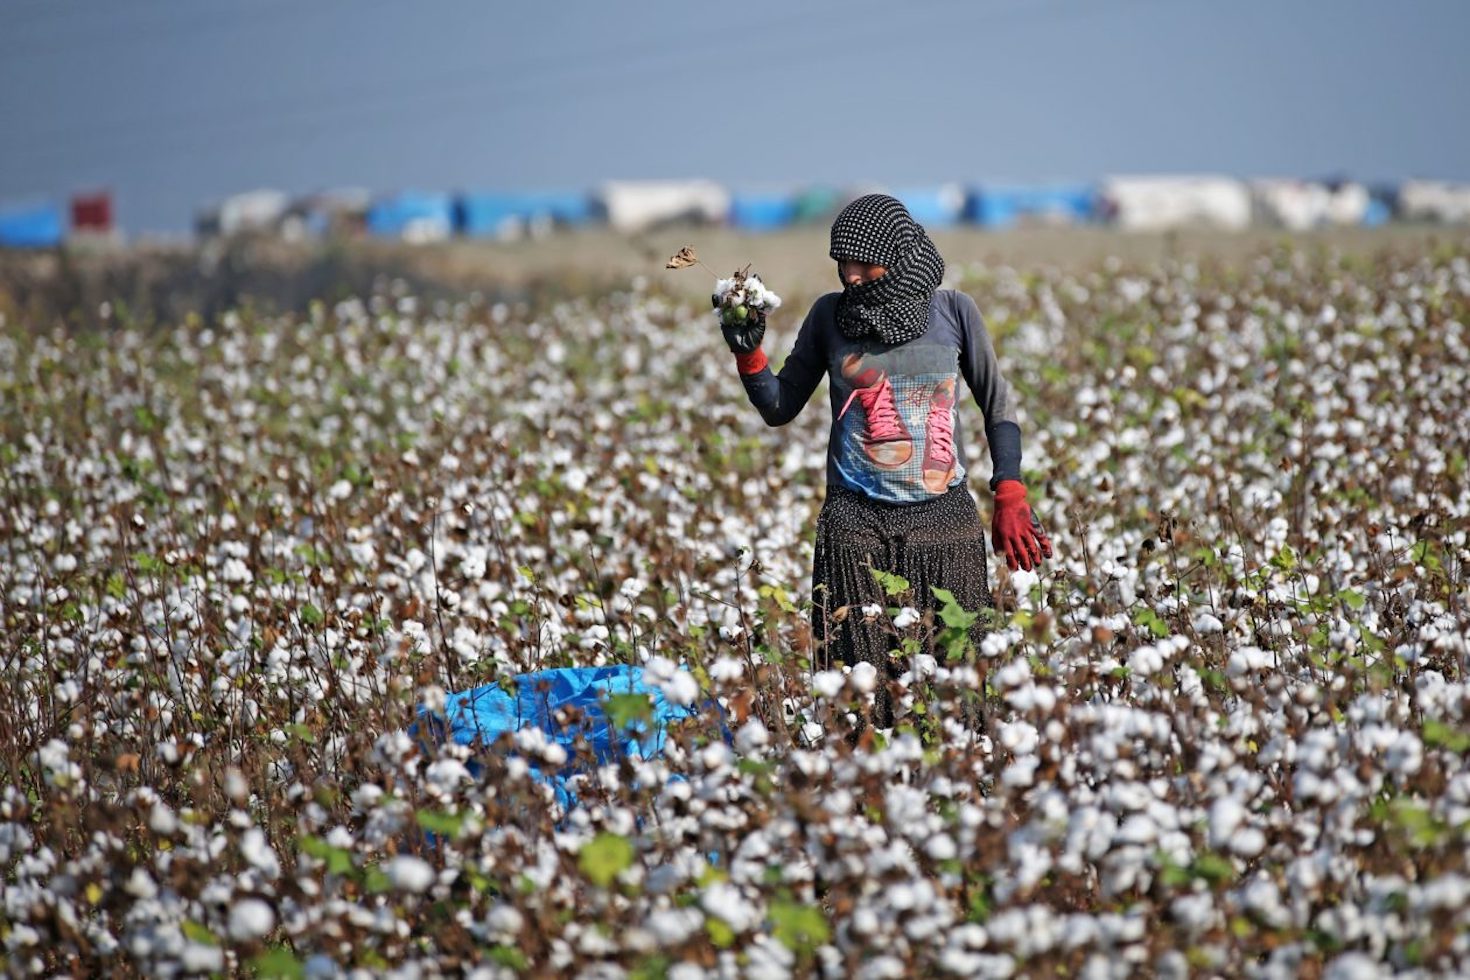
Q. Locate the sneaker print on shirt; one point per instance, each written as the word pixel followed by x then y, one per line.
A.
pixel 886 439
pixel 939 438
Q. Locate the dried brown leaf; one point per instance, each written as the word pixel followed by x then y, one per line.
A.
pixel 682 259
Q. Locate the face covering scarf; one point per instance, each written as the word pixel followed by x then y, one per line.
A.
pixel 877 229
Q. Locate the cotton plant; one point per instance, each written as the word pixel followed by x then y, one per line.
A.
pixel 736 298
pixel 1234 709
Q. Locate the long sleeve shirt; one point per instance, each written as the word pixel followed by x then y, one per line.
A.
pixel 895 432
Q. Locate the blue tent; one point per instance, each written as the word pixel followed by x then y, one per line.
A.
pixel 481 715
pixel 934 207
pixel 762 212
pixel 816 204
pixel 1006 207
pixel 33 226
pixel 402 213
pixel 480 215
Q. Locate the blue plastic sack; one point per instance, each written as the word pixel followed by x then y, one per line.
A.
pixel 479 716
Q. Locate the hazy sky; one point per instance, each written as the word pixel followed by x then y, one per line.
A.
pixel 173 103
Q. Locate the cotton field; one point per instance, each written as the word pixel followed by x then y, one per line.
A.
pixel 1224 732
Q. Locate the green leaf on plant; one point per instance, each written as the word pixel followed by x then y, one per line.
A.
pixel 624 710
pixel 720 932
pixel 278 961
pixel 196 933
pixel 604 857
pixel 951 613
pixel 510 958
pixel 778 595
pixel 892 584
pixel 1212 868
pixel 799 927
pixel 444 823
pixel 338 859
pixel 1437 733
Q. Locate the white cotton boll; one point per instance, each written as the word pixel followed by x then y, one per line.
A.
pixel 410 874
pixel 1146 661
pixel 1020 737
pixel 250 918
pixel 671 927
pixel 1205 623
pixel 682 688
pixel 1247 659
pixel 872 610
pixel 1021 773
pixel 726 670
pixel 996 643
pixel 340 490
pixel 433 698
pixel 1013 674
pixel 658 670
pixel 257 851
pixel 864 677
pixel 715 756
pixel 726 901
pixel 907 616
pixel 445 775
pixel 201 958
pixel 161 820
pixel 941 847
pixel 883 968
pixel 236 786
pixel 827 683
pixel 752 736
pixel 505 920
pixel 1355 966
pixel 1248 842
pixel 1226 814
pixel 141 885
pixel 1139 829
pixel 1195 913
pixel 1022 581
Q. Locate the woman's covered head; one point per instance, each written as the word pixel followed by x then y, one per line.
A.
pixel 874 230
pixel 889 270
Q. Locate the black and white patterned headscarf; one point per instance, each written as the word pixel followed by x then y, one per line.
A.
pixel 878 229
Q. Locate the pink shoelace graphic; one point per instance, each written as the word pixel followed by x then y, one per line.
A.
pixel 941 431
pixel 881 412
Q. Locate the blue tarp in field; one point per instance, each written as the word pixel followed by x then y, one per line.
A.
pixel 933 207
pixel 427 214
pixel 762 212
pixel 481 715
pixel 1006 207
pixel 480 215
pixel 33 226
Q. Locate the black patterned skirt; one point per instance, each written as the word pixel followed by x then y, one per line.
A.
pixel 938 542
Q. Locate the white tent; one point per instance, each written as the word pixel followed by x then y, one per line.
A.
pixel 639 205
pixel 1161 203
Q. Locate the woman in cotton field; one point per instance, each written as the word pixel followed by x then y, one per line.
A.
pixel 894 346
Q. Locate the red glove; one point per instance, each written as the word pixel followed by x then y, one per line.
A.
pixel 1014 530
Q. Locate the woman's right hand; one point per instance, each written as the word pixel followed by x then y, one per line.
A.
pixel 742 336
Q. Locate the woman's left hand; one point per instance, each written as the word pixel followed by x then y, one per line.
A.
pixel 1014 530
